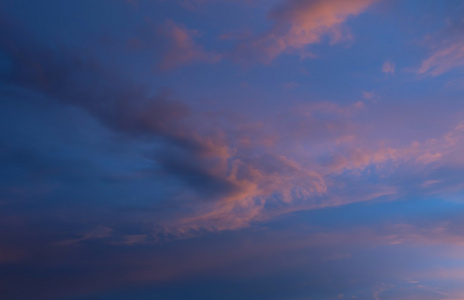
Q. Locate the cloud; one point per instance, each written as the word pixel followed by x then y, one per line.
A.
pixel 446 48
pixel 388 67
pixel 443 59
pixel 107 181
pixel 299 23
pixel 69 78
pixel 226 184
pixel 283 252
pixel 228 173
pixel 97 233
pixel 371 96
pixel 368 95
pixel 181 49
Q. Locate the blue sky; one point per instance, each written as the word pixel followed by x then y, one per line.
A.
pixel 252 149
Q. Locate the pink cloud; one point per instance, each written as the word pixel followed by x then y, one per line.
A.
pixel 445 58
pixel 181 47
pixel 234 172
pixel 301 167
pixel 368 95
pixel 388 67
pixel 299 23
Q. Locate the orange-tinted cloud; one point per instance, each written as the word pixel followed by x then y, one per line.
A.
pixel 299 23
pixel 291 178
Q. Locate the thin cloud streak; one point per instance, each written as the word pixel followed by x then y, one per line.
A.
pixel 443 60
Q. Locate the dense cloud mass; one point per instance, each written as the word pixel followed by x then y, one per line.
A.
pixel 288 149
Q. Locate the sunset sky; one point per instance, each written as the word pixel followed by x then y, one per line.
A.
pixel 232 149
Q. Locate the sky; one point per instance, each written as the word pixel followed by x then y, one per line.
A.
pixel 232 149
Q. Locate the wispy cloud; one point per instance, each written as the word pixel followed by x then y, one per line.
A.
pixel 233 182
pixel 139 160
pixel 181 48
pixel 443 59
pixel 388 67
pixel 299 23
pixel 446 49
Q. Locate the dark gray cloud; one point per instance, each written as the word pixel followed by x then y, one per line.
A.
pixel 69 78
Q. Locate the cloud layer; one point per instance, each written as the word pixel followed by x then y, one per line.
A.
pixel 144 159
